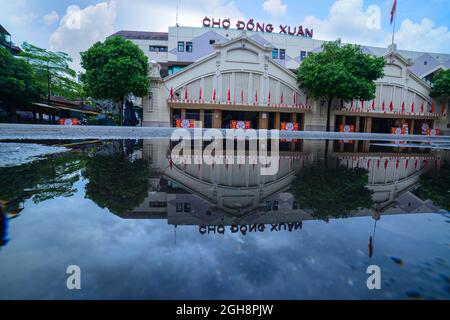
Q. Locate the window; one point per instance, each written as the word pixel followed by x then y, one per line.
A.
pixel 212 41
pixel 188 46
pixel 268 205
pixel 295 205
pixel 180 46
pixel 302 55
pixel 274 53
pixel 157 48
pixel 282 54
pixel 157 204
pixel 275 205
pixel 309 53
pixel 179 207
pixel 187 207
pixel 425 63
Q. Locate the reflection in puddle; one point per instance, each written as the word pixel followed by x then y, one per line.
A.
pixel 354 203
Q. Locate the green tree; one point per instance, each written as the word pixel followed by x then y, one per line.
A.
pixel 115 69
pixel 435 185
pixel 116 182
pixel 332 192
pixel 340 72
pixel 17 83
pixel 441 85
pixel 53 71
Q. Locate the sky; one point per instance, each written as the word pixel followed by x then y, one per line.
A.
pixel 73 26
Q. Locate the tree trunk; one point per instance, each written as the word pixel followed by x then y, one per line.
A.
pixel 121 113
pixel 330 100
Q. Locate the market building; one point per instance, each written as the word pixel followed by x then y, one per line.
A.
pixel 226 74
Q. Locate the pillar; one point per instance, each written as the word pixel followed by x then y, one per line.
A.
pixel 217 119
pixel 183 114
pixel 276 123
pixel 357 125
pixel 367 129
pixel 263 122
pixel 202 118
pixel 341 146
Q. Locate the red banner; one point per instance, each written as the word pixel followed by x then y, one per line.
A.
pixel 238 124
pixel 68 121
pixel 185 123
pixel 289 126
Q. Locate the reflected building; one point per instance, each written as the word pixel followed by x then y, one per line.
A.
pixel 233 194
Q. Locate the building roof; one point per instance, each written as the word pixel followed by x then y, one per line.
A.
pixel 424 64
pixel 4 31
pixel 142 35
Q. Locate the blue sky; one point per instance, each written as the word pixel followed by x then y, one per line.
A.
pixel 421 25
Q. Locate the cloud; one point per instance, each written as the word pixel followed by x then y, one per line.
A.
pixel 190 13
pixel 423 35
pixel 80 28
pixel 50 18
pixel 21 20
pixel 275 7
pixel 353 23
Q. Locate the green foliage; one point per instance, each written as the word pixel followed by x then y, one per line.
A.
pixel 17 81
pixel 116 183
pixel 42 180
pixel 435 185
pixel 52 71
pixel 332 192
pixel 441 84
pixel 115 69
pixel 340 71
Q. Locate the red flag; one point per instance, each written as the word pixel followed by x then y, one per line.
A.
pixel 201 94
pixel 362 104
pixel 415 163
pixel 373 104
pixel 229 95
pixel 394 8
pixel 397 163
pixel 185 93
pixel 171 93
pixel 382 106
pixel 412 107
pixel 422 108
pixel 214 94
pixel 282 98
pixel 432 107
pixel 403 106
pixel 378 164
pixel 351 105
pixel 406 164
pixel 269 98
pixel 443 107
pixel 256 97
pixel 385 163
pixel 294 98
pixel 391 106
pixel 242 95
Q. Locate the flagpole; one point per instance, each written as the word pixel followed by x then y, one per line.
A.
pixel 393 27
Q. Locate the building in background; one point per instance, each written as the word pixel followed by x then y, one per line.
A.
pixel 224 78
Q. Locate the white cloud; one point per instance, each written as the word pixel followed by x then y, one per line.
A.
pixel 162 13
pixel 23 19
pixel 353 23
pixel 423 35
pixel 80 28
pixel 50 18
pixel 275 7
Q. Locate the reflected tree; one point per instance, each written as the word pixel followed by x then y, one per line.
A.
pixel 435 185
pixel 116 182
pixel 332 192
pixel 42 180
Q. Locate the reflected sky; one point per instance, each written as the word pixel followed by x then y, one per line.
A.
pixel 152 259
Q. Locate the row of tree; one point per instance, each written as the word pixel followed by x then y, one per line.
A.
pixel 114 70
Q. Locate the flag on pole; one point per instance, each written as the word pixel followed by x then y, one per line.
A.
pixel 394 7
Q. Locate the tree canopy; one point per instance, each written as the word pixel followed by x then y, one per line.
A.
pixel 435 185
pixel 115 69
pixel 441 84
pixel 53 72
pixel 340 71
pixel 17 82
pixel 332 192
pixel 116 182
